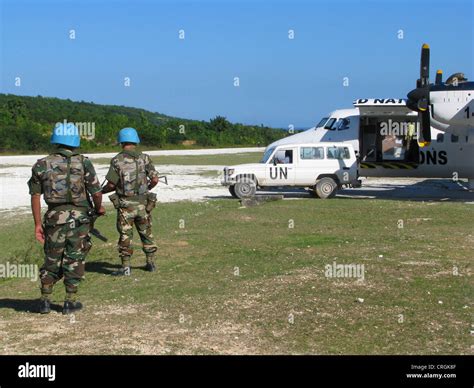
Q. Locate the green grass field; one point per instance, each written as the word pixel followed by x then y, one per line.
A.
pixel 252 281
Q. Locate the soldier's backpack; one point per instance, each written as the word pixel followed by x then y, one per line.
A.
pixel 132 173
pixel 63 179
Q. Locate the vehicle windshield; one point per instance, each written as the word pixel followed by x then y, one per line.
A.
pixel 268 152
pixel 322 122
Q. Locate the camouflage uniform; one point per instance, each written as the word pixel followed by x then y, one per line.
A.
pixel 129 172
pixel 63 178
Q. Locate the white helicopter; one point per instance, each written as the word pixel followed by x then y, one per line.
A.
pixel 430 135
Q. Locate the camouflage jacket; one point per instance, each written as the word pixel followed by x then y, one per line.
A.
pixel 129 171
pixel 63 178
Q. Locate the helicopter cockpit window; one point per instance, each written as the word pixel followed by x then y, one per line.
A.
pixel 343 124
pixel 330 124
pixel 322 122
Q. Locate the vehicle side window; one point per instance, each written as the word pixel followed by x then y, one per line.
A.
pixel 311 153
pixel 331 153
pixel 284 156
pixel 338 153
pixel 344 153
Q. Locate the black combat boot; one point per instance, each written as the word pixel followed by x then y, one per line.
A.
pixel 45 306
pixel 127 271
pixel 71 307
pixel 150 267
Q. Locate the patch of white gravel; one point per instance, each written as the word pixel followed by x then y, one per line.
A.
pixel 184 182
pixel 202 182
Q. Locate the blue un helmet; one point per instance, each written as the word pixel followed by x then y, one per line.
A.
pixel 66 134
pixel 128 135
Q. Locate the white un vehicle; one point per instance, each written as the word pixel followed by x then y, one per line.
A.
pixel 321 167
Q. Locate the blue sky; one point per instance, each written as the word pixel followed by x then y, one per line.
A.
pixel 282 81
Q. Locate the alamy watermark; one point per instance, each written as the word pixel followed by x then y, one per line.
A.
pixel 11 270
pixel 85 129
pixel 335 270
pixel 399 128
pixel 29 371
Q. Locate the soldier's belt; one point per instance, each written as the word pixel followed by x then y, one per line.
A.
pixel 138 197
pixel 77 223
pixel 72 223
pixel 65 206
pixel 117 200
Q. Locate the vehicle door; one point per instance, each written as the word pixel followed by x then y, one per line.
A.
pixel 343 162
pixel 280 169
pixel 311 163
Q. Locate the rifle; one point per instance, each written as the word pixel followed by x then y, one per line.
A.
pixel 162 179
pixel 93 217
pixel 94 231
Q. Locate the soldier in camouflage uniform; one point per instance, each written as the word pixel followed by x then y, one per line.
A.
pixel 63 177
pixel 132 175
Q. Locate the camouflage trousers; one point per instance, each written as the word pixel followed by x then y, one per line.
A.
pixel 134 213
pixel 67 242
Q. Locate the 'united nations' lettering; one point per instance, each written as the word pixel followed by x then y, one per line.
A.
pixel 281 172
pixel 433 157
pixel 379 101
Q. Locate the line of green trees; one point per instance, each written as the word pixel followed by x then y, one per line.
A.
pixel 26 124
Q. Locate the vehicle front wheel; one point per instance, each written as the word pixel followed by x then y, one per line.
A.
pixel 232 191
pixel 245 189
pixel 325 188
